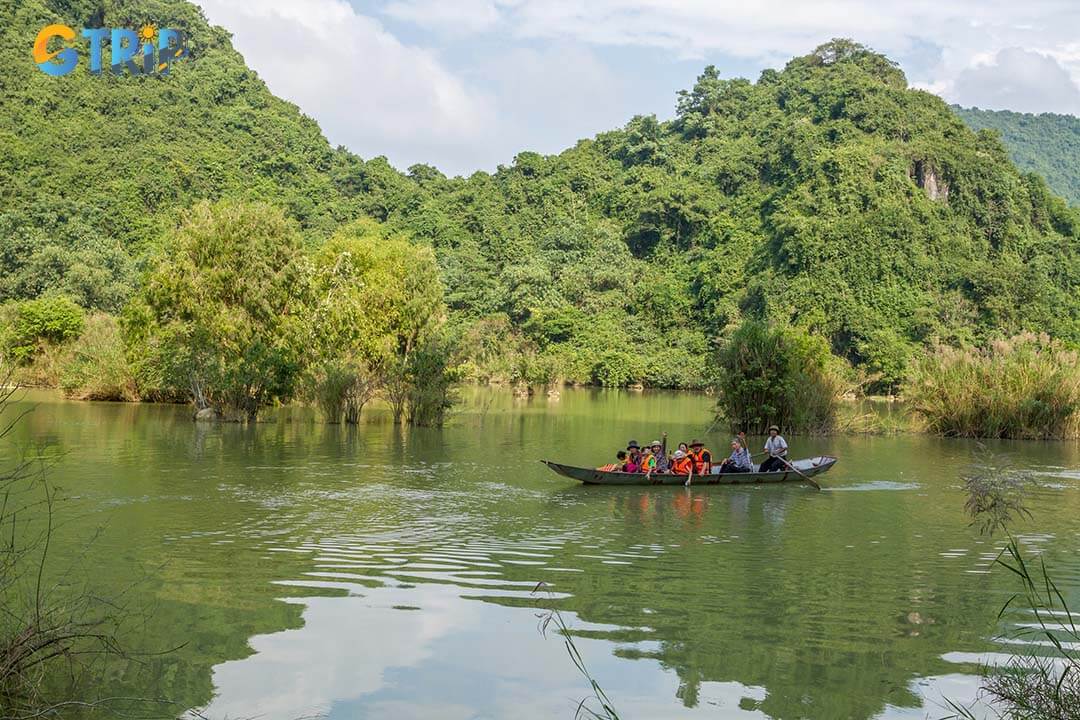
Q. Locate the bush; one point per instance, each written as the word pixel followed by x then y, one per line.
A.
pixel 617 368
pixel 769 375
pixel 1025 387
pixel 36 323
pixel 96 367
pixel 341 388
pixel 433 377
pixel 674 367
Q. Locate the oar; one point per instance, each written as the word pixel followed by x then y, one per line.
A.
pixel 807 478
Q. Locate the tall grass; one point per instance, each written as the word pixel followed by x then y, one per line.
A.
pixel 598 706
pixel 1043 682
pixel 95 366
pixel 1025 387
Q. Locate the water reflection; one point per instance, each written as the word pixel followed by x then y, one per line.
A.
pixel 379 572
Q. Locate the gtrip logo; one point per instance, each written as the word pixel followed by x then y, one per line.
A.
pixel 146 51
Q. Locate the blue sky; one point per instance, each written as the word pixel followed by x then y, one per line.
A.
pixel 466 85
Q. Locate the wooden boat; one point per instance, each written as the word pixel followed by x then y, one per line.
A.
pixel 590 476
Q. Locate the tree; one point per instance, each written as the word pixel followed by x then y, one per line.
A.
pixel 376 298
pixel 218 318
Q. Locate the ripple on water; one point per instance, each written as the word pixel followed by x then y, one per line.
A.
pixel 875 485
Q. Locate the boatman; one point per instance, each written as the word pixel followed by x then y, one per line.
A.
pixel 776 447
pixel 701 457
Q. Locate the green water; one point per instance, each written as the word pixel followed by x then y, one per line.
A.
pixel 381 572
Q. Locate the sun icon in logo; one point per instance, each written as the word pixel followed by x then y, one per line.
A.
pixel 147 34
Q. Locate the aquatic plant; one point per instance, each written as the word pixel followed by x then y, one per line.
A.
pixel 1024 387
pixel 59 636
pixel 1032 685
pixel 586 708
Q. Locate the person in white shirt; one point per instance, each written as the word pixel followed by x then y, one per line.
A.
pixel 776 447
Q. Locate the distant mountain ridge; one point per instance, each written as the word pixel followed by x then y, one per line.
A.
pixel 1047 144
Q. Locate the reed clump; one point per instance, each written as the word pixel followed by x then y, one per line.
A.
pixel 1025 387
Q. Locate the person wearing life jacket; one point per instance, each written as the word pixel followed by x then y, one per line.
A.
pixel 617 466
pixel 681 464
pixel 648 460
pixel 701 458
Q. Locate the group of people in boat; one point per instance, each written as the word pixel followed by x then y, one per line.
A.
pixel 695 459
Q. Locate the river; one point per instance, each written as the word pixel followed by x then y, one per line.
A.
pixel 292 569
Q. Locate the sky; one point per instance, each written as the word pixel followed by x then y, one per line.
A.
pixel 465 85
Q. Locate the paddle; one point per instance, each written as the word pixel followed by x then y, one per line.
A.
pixel 807 478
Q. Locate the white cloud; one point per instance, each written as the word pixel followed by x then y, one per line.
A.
pixel 368 90
pixel 480 80
pixel 1017 79
pixel 967 33
pixel 460 16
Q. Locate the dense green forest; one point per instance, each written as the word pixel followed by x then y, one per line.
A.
pixel 1047 144
pixel 827 196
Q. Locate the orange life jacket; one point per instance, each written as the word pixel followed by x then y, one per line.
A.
pixel 682 466
pixel 701 467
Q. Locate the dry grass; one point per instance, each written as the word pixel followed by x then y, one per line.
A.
pixel 1025 387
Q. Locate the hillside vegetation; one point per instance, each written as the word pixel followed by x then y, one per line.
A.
pixel 827 196
pixel 1047 144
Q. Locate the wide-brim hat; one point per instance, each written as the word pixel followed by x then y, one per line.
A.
pixel 654 443
pixel 773 427
pixel 632 445
pixel 697 443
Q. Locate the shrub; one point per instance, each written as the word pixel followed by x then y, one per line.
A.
pixel 45 321
pixel 674 367
pixel 96 366
pixel 616 368
pixel 1025 387
pixel 341 388
pixel 769 375
pixel 432 380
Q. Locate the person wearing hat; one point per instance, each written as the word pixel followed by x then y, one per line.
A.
pixel 659 452
pixel 633 462
pixel 681 464
pixel 777 448
pixel 702 458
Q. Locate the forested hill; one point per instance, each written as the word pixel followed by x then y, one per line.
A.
pixel 1047 144
pixel 827 195
pixel 92 166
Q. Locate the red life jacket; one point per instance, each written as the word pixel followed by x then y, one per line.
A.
pixel 701 466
